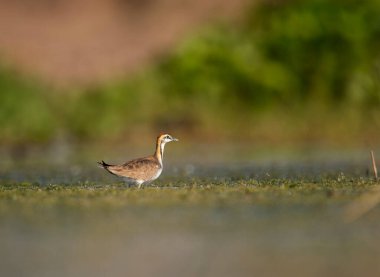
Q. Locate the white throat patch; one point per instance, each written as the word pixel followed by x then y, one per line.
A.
pixel 162 147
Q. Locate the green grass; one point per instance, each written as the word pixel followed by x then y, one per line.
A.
pixel 27 198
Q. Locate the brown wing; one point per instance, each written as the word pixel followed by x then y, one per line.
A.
pixel 141 169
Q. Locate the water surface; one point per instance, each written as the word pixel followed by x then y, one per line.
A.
pixel 231 214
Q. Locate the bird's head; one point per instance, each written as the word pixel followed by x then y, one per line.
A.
pixel 164 138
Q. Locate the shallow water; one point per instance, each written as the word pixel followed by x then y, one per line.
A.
pixel 206 217
pixel 220 240
pixel 212 162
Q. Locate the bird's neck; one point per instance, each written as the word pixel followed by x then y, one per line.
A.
pixel 159 154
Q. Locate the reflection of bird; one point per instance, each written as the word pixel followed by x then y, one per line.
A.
pixel 141 170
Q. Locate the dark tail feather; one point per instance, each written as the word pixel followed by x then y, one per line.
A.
pixel 103 164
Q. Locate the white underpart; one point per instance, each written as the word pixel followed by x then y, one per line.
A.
pixel 157 174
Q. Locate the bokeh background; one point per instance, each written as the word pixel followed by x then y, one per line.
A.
pixel 273 73
pixel 276 105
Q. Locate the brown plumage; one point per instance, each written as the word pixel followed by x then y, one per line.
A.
pixel 139 171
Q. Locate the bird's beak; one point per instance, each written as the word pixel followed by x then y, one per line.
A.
pixel 174 139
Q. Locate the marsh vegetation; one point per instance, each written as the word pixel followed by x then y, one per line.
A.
pixel 314 63
pixel 188 227
pixel 211 220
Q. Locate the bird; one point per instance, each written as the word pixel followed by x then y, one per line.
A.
pixel 141 170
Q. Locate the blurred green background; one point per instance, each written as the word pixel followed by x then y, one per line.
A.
pixel 281 72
